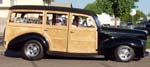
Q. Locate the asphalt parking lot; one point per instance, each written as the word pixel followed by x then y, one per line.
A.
pixel 13 59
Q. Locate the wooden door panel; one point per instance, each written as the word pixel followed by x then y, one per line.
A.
pixel 58 37
pixel 83 41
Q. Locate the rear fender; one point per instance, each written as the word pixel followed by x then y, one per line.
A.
pixel 18 42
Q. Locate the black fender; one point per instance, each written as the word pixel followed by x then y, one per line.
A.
pixel 110 45
pixel 19 41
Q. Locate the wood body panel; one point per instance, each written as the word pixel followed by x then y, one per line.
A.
pixel 60 38
pixel 82 41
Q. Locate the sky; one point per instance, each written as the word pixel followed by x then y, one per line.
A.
pixel 143 5
pixel 77 3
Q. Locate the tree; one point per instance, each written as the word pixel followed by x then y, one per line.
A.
pixel 105 6
pixel 119 8
pixel 139 14
pixel 149 14
pixel 100 6
pixel 93 7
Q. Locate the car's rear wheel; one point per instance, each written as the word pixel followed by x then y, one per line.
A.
pixel 32 50
pixel 124 53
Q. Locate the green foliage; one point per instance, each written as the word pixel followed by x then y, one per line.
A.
pixel 116 7
pixel 136 0
pixel 127 17
pixel 100 6
pixel 149 14
pixel 119 8
pixel 148 43
pixel 104 6
pixel 93 7
pixel 139 14
pixel 125 6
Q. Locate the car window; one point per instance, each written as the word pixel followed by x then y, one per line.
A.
pixel 82 21
pixel 26 17
pixel 57 19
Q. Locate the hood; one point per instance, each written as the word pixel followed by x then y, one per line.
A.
pixel 117 32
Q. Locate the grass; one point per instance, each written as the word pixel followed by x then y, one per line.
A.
pixel 148 43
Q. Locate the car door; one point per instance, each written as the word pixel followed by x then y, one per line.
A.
pixel 57 30
pixel 82 36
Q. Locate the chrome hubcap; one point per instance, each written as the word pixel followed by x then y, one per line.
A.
pixel 32 50
pixel 125 54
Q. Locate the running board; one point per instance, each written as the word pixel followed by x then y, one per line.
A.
pixel 75 55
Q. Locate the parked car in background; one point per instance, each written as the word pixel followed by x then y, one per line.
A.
pixel 145 25
pixel 127 25
pixel 60 31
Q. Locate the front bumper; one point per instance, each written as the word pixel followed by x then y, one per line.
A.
pixel 140 52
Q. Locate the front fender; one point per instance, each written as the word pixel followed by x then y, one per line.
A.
pixel 110 45
pixel 133 42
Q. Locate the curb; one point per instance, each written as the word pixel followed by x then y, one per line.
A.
pixel 2 48
pixel 148 50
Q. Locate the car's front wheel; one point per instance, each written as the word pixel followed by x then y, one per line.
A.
pixel 124 53
pixel 32 50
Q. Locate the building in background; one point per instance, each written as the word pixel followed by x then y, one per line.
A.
pixel 106 19
pixel 5 4
pixel 61 4
pixel 148 17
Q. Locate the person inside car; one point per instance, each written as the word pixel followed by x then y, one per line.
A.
pixel 75 21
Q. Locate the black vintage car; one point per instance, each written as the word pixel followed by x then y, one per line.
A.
pixel 69 38
pixel 126 39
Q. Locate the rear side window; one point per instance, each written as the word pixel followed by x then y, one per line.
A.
pixel 57 19
pixel 26 17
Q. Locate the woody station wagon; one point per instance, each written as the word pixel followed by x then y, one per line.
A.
pixel 46 30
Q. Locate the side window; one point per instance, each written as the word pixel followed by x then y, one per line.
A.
pixel 57 19
pixel 82 21
pixel 26 17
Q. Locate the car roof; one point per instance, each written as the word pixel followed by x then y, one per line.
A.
pixel 52 8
